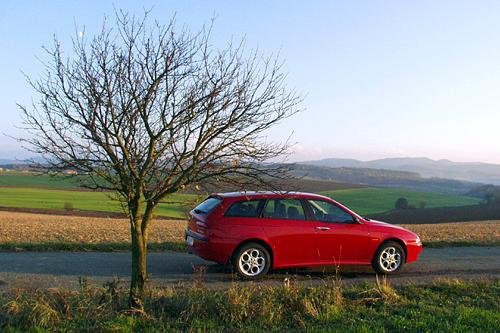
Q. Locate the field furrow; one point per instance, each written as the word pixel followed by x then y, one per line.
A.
pixel 18 227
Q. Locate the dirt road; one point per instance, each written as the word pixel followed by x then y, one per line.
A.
pixel 56 269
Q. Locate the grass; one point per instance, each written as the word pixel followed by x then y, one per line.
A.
pixel 38 180
pixel 42 232
pixel 169 246
pixel 88 247
pixel 441 214
pixel 442 306
pixel 377 200
pixel 175 205
pixel 40 191
pixel 441 244
pixel 362 200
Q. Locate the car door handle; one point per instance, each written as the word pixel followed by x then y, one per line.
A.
pixel 323 228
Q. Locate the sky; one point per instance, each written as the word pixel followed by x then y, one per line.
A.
pixel 379 78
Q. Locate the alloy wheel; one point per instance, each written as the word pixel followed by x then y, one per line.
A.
pixel 252 262
pixel 390 259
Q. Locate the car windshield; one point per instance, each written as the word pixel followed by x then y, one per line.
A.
pixel 207 206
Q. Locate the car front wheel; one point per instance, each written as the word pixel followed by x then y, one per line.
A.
pixel 252 261
pixel 389 258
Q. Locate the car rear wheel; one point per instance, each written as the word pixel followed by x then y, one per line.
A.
pixel 389 258
pixel 252 261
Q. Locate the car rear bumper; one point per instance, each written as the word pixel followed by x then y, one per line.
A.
pixel 204 247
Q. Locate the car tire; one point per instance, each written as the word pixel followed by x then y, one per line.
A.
pixel 389 258
pixel 251 261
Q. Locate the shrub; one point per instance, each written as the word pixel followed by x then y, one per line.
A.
pixel 401 203
pixel 68 206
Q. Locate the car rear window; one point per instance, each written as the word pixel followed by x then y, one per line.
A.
pixel 207 206
pixel 247 208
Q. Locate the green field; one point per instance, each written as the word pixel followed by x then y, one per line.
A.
pixel 40 191
pixel 20 197
pixel 38 180
pixel 378 200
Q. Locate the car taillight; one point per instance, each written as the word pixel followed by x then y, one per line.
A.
pixel 201 227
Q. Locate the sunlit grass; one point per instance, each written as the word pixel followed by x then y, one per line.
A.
pixel 175 205
pixel 442 306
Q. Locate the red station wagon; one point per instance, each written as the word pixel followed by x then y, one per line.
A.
pixel 257 231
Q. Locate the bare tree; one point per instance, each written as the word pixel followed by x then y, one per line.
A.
pixel 145 109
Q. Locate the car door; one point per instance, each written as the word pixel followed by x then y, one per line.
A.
pixel 291 235
pixel 341 239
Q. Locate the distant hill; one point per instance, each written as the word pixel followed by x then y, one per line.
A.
pixel 26 179
pixel 5 161
pixel 474 172
pixel 8 163
pixel 383 177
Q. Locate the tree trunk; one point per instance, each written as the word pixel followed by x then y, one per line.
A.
pixel 139 273
pixel 139 224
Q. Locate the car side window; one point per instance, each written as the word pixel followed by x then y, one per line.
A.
pixel 246 208
pixel 327 212
pixel 284 209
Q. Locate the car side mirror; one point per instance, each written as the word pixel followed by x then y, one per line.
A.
pixel 357 220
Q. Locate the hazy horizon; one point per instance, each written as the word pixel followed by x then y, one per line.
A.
pixel 380 80
pixel 293 159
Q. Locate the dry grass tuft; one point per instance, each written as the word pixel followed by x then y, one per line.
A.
pixel 381 292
